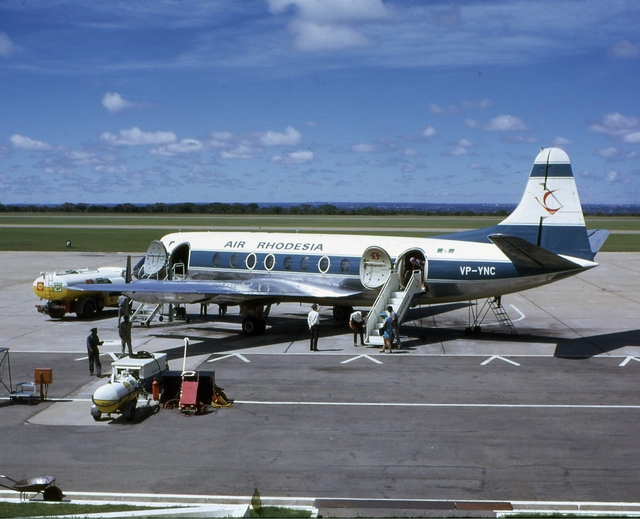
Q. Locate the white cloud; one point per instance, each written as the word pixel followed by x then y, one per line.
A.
pixel 7 47
pixel 615 123
pixel 429 131
pixel 410 152
pixel 461 148
pixel 632 138
pixel 562 141
pixel 607 152
pixel 136 137
pixel 114 102
pixel 624 49
pixel 179 148
pixel 504 123
pixel 242 151
pixel 290 137
pixel 25 143
pixel 612 176
pixel 295 158
pixel 363 148
pixel 330 24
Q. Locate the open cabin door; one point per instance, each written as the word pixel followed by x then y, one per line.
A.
pixel 375 267
pixel 155 260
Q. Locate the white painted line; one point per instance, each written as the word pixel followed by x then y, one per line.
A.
pixel 360 357
pixel 627 360
pixel 498 357
pixel 522 316
pixel 241 357
pixel 427 405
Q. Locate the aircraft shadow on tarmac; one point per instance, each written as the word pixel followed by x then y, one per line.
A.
pixel 413 331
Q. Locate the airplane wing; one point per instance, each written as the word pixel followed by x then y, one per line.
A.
pixel 525 254
pixel 267 288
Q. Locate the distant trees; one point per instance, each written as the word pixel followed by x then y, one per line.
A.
pixel 255 209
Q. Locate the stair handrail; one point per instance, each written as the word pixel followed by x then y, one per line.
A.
pixel 379 305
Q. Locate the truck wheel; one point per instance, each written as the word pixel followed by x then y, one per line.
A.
pixel 88 309
pixel 56 314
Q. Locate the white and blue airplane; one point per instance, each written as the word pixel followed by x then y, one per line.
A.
pixel 544 240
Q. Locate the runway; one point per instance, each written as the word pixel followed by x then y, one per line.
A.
pixel 550 414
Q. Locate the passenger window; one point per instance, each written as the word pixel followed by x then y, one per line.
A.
pixel 269 261
pixel 233 260
pixel 345 265
pixel 304 263
pixel 287 263
pixel 215 261
pixel 324 264
pixel 250 262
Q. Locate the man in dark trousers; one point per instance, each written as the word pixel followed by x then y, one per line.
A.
pixel 93 341
pixel 313 320
pixel 124 330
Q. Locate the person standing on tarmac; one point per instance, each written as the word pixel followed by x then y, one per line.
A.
pixel 357 325
pixel 313 320
pixel 124 330
pixel 395 326
pixel 93 341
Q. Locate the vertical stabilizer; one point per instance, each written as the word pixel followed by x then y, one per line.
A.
pixel 549 214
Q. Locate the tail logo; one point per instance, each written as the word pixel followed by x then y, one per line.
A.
pixel 544 203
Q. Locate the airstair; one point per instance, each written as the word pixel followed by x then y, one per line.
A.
pixel 493 304
pixel 392 295
pixel 146 312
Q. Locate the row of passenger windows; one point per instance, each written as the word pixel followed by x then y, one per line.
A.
pixel 269 262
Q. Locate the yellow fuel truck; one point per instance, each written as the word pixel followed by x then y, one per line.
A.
pixel 52 286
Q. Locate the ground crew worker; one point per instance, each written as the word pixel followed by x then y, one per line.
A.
pixel 124 330
pixel 93 341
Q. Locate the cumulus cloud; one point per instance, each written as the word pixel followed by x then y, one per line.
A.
pixel 7 47
pixel 136 137
pixel 624 49
pixel 295 158
pixel 562 141
pixel 330 24
pixel 505 123
pixel 290 137
pixel 25 143
pixel 462 147
pixel 114 102
pixel 607 152
pixel 618 125
pixel 429 131
pixel 179 148
pixel 363 148
pixel 241 151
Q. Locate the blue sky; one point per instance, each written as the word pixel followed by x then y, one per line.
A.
pixel 315 100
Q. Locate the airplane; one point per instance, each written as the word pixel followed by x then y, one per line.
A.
pixel 542 241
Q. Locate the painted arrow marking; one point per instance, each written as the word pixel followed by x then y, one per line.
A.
pixel 498 357
pixel 359 357
pixel 241 357
pixel 627 360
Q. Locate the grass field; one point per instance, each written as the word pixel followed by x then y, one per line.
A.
pixel 133 233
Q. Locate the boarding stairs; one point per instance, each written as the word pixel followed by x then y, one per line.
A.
pixel 493 304
pixel 146 312
pixel 392 294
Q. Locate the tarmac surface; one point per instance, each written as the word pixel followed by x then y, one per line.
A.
pixel 549 415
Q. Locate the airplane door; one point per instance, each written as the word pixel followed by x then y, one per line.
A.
pixel 155 258
pixel 375 267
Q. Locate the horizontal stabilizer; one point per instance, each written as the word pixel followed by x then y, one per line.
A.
pixel 597 238
pixel 525 254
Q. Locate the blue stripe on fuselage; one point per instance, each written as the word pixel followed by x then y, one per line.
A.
pixel 568 240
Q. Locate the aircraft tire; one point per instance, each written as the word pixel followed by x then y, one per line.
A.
pixel 252 326
pixel 342 313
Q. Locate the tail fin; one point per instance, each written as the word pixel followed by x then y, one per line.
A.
pixel 549 214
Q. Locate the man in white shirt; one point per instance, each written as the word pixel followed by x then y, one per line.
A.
pixel 313 319
pixel 357 325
